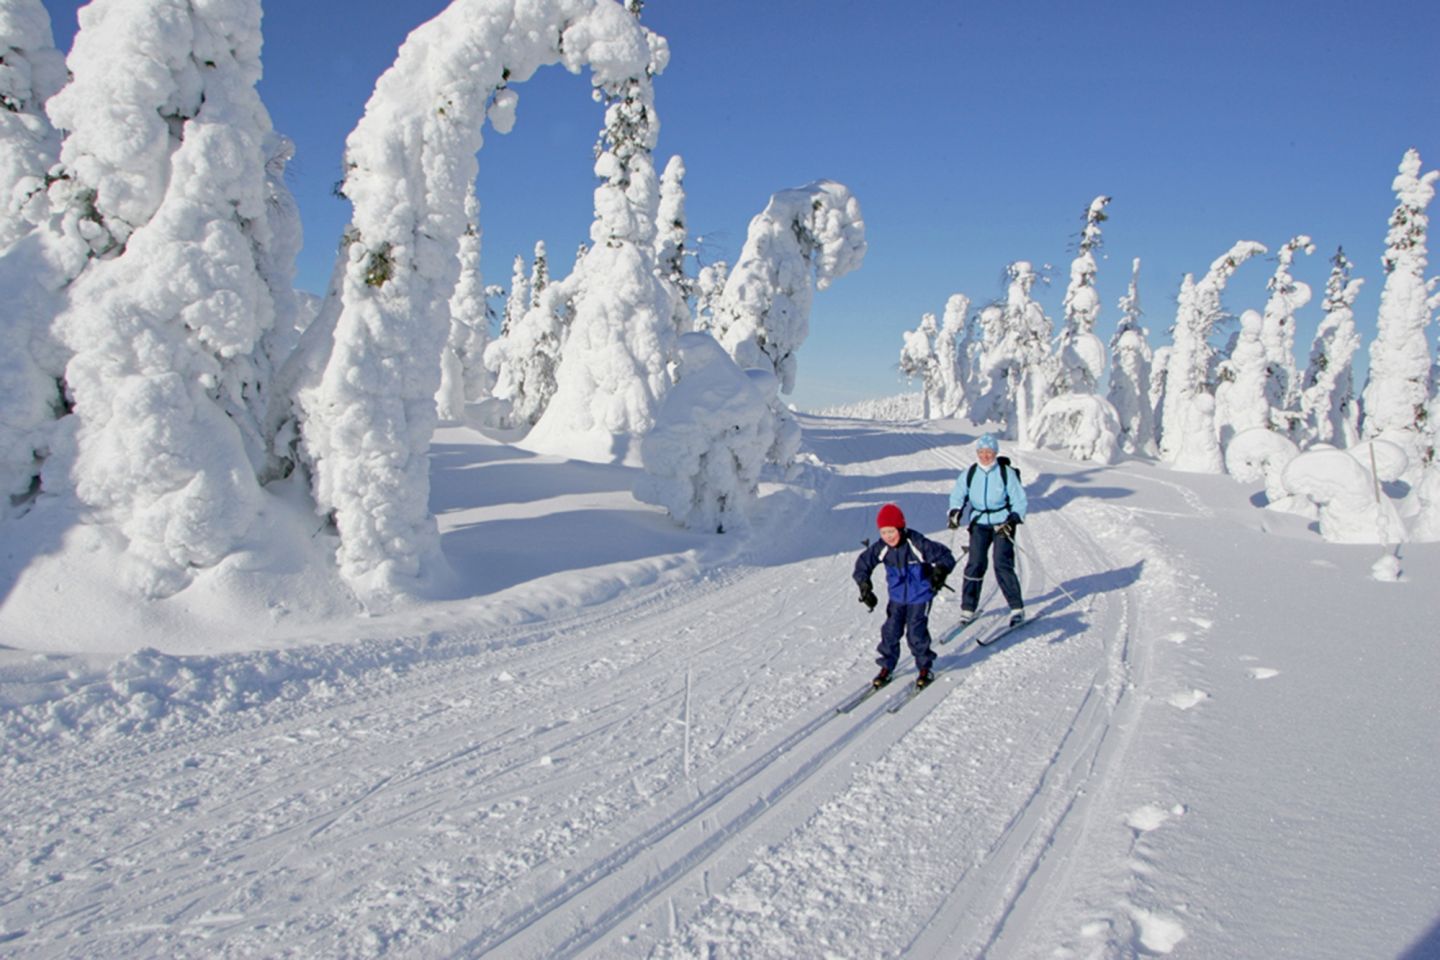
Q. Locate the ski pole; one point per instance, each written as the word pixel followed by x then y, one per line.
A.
pixel 1058 585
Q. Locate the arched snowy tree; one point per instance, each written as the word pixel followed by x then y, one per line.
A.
pixel 368 418
pixel 31 360
pixel 170 165
pixel 1398 391
pixel 1327 396
pixel 1187 367
pixel 1131 363
pixel 1081 354
pixel 803 240
pixel 1241 402
pixel 1282 379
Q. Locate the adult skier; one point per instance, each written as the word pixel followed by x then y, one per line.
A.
pixel 915 570
pixel 995 498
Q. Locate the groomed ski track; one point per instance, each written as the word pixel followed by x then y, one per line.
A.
pixel 661 775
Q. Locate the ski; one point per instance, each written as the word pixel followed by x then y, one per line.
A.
pixel 858 699
pixel 1007 628
pixel 956 631
pixel 910 693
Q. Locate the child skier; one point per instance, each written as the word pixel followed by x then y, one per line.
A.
pixel 915 570
pixel 996 498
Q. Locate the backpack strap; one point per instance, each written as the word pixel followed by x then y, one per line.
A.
pixel 1004 462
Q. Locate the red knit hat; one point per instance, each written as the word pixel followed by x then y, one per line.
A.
pixel 890 516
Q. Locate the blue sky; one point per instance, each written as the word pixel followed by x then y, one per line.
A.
pixel 972 134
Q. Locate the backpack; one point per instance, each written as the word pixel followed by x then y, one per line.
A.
pixel 1004 480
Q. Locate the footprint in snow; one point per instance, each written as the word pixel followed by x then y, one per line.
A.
pixel 1151 817
pixel 1263 673
pixel 1188 698
pixel 1156 932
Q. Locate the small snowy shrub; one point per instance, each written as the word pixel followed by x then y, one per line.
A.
pixel 1085 425
pixel 702 459
pixel 1350 510
pixel 1262 454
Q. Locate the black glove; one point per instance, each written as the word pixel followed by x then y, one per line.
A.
pixel 953 520
pixel 1014 520
pixel 937 578
pixel 867 596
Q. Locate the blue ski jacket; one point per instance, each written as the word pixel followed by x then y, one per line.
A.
pixel 907 565
pixel 990 497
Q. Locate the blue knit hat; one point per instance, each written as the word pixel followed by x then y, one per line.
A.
pixel 988 442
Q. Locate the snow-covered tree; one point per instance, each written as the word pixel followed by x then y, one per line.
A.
pixel 369 416
pixel 1187 367
pixel 1351 506
pixel 803 240
pixel 463 376
pixel 702 460
pixel 1398 390
pixel 1282 379
pixel 709 288
pixel 527 359
pixel 170 163
pixel 1023 358
pixel 671 235
pixel 950 354
pixel 1081 354
pixel 539 274
pixel 616 365
pixel 31 72
pixel 1327 396
pixel 985 364
pixel 1241 402
pixel 32 272
pixel 918 361
pixel 518 300
pixel 1131 362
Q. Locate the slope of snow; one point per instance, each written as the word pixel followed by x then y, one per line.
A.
pixel 617 739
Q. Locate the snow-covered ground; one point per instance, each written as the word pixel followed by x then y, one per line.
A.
pixel 617 739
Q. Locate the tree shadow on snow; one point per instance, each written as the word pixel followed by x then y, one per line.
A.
pixel 39 532
pixel 1425 948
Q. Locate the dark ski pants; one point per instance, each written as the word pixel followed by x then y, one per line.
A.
pixel 913 620
pixel 982 539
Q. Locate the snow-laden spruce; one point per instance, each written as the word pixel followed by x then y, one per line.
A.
pixel 671 247
pixel 702 460
pixel 950 352
pixel 1327 395
pixel 1282 379
pixel 31 71
pixel 802 241
pixel 368 418
pixel 1241 402
pixel 463 378
pixel 1187 414
pixel 1081 353
pixel 171 156
pixel 1398 389
pixel 528 357
pixel 918 361
pixel 615 367
pixel 1131 363
pixel 1021 362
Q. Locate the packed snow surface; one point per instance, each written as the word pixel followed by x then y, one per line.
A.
pixel 1217 738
